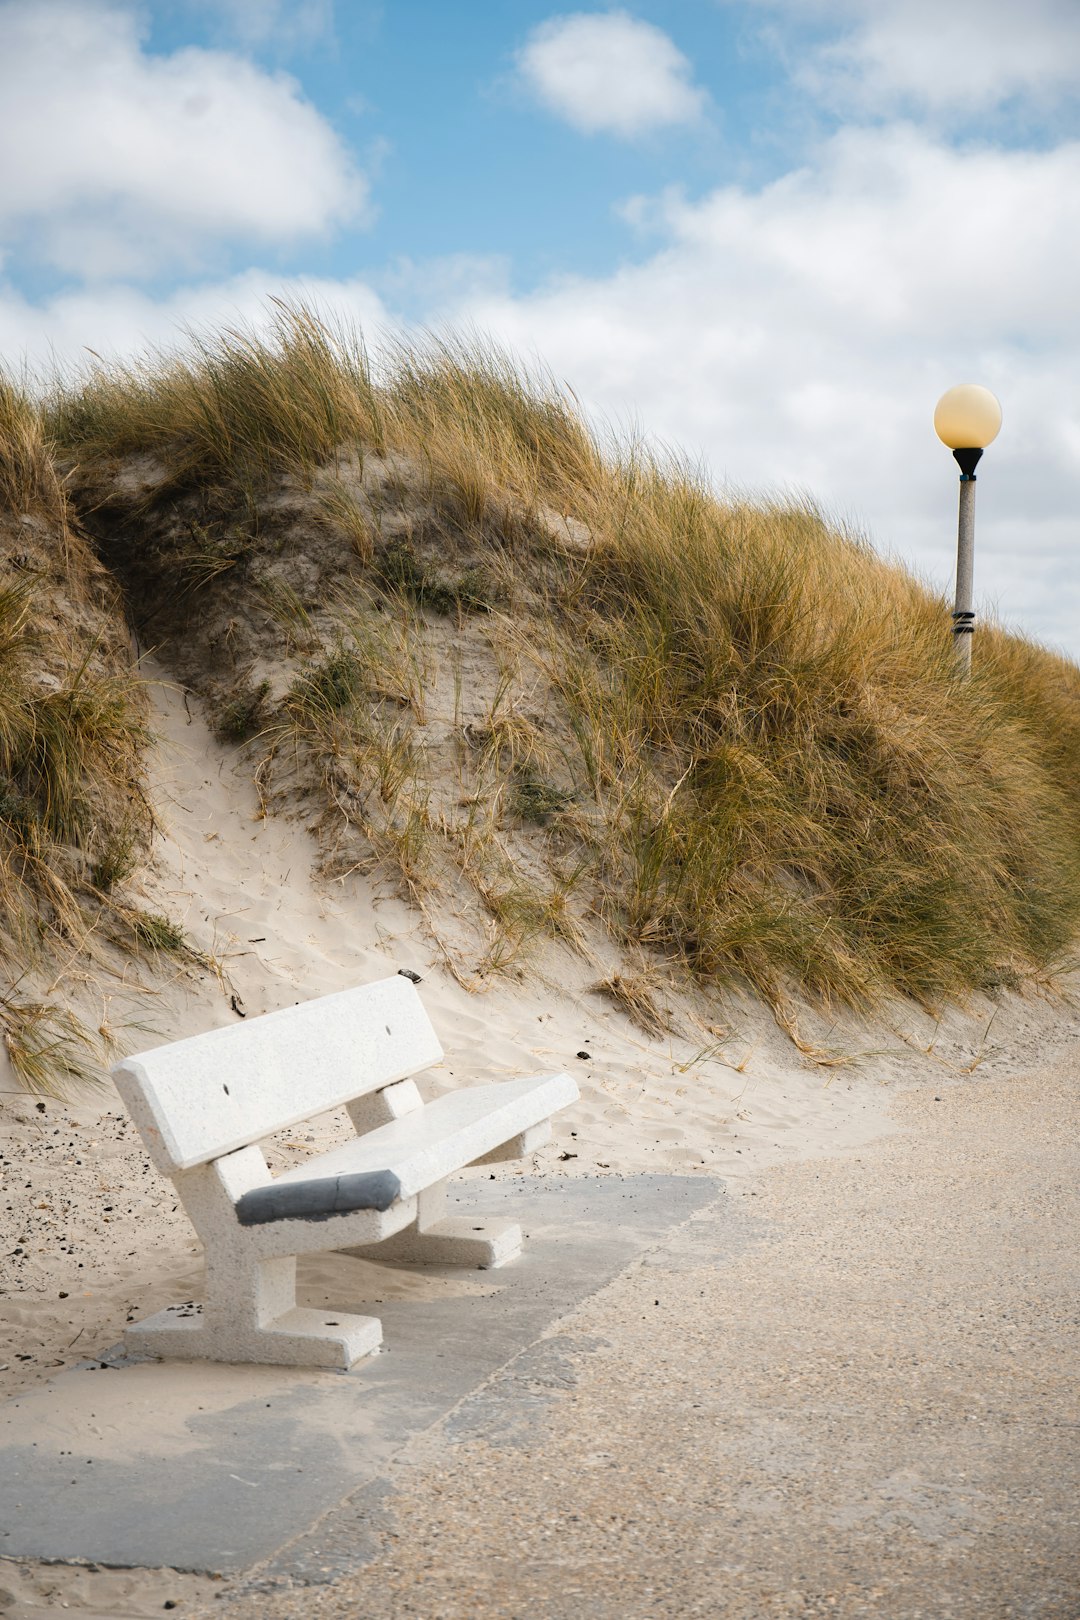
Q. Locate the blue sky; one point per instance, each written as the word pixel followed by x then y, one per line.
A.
pixel 768 231
pixel 469 163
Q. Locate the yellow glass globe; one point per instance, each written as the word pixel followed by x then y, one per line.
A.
pixel 967 417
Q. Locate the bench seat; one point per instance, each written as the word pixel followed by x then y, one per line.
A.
pixel 456 1129
pixel 407 1156
pixel 202 1106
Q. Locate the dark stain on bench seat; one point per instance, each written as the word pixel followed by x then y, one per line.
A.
pixel 318 1200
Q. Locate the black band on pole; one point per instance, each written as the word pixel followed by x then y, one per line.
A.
pixel 967 461
pixel 963 623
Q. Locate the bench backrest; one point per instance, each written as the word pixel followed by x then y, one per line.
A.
pixel 197 1099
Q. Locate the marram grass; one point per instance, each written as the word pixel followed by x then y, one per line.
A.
pixel 74 818
pixel 750 753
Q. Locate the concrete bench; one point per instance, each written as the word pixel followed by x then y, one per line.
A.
pixel 202 1105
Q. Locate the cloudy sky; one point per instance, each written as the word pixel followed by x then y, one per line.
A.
pixel 770 232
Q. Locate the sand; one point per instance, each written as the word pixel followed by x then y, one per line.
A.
pixel 91 1236
pixel 870 1413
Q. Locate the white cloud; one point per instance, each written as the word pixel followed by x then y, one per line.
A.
pixel 609 72
pixel 287 23
pixel 116 163
pixel 948 57
pixel 120 321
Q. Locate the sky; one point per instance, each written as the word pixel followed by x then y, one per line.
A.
pixel 768 233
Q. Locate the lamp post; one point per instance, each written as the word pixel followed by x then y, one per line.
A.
pixel 967 418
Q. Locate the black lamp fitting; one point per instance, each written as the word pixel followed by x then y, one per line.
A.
pixel 967 461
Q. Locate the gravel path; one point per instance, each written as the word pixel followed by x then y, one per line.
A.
pixel 871 1412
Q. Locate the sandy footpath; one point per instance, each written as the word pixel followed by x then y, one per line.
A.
pixel 873 1413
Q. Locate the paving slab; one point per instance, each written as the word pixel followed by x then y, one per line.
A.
pixel 216 1468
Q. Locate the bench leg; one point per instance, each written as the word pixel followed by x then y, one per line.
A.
pixel 435 1238
pixel 251 1315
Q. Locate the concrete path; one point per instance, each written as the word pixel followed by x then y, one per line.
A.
pixel 214 1468
pixel 868 1408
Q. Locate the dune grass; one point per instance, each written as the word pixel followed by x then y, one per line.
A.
pixel 47 1047
pixel 233 409
pixel 836 810
pixel 74 818
pixel 755 759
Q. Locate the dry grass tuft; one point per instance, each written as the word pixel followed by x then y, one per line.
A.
pixel 74 818
pixel 231 408
pixel 29 483
pixel 634 995
pixel 49 1049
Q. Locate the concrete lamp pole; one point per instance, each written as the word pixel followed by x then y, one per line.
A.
pixel 967 419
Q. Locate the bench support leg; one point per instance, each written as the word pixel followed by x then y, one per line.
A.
pixel 251 1315
pixel 435 1238
pixel 250 1311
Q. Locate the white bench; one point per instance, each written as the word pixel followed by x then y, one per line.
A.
pixel 203 1104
